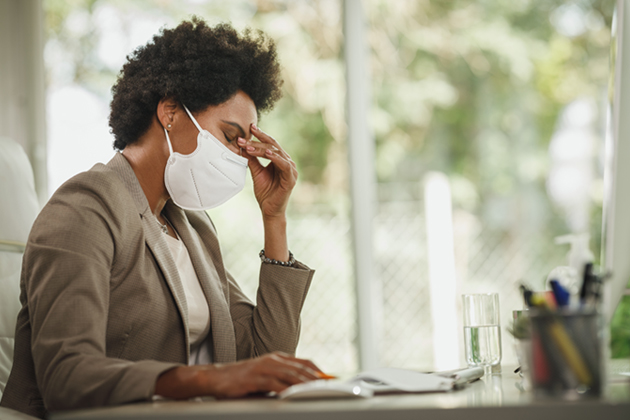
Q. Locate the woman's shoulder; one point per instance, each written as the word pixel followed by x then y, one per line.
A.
pixel 99 179
pixel 99 186
pixel 97 193
pixel 83 215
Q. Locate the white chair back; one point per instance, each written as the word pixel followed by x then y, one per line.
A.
pixel 18 209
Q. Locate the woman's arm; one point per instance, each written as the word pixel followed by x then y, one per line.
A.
pixel 67 277
pixel 276 245
pixel 274 323
pixel 273 185
pixel 271 372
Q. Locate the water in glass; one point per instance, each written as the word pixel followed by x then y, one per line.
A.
pixel 483 345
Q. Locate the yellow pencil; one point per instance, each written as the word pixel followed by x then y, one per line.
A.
pixel 570 353
pixel 565 344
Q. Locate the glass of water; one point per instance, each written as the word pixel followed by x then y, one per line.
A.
pixel 482 332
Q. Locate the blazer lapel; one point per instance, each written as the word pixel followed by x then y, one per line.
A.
pixel 154 238
pixel 221 327
pixel 157 243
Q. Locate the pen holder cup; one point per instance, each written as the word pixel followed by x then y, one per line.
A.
pixel 565 354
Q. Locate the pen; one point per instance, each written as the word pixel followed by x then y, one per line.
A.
pixel 541 369
pixel 587 278
pixel 527 295
pixel 560 293
pixel 468 375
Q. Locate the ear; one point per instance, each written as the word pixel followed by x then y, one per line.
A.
pixel 166 109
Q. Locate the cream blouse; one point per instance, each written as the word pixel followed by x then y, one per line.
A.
pixel 198 311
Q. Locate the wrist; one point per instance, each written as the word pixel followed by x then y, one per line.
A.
pixel 177 383
pixel 289 262
pixel 206 379
pixel 184 382
pixel 276 221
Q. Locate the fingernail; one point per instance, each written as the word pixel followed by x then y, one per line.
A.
pixel 250 148
pixel 254 127
pixel 241 140
pixel 269 152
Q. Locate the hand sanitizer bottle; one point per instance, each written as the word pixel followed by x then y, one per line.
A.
pixel 570 276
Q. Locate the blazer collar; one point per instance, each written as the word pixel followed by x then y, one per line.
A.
pixel 154 238
pixel 121 166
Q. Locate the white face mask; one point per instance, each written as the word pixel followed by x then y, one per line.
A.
pixel 206 178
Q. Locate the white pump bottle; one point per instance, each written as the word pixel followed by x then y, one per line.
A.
pixel 579 255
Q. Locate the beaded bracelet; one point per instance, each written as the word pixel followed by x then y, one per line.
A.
pixel 289 263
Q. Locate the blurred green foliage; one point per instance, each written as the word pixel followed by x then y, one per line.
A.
pixel 472 88
pixel 620 330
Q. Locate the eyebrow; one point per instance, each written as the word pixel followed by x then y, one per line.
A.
pixel 237 126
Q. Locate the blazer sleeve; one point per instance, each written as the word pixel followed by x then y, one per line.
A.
pixel 273 324
pixel 66 280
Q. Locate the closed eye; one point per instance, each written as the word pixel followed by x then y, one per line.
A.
pixel 229 140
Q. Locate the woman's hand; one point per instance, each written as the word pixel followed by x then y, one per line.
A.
pixel 272 184
pixel 271 372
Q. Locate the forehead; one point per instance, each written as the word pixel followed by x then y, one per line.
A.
pixel 239 108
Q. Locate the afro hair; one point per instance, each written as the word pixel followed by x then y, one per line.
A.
pixel 197 65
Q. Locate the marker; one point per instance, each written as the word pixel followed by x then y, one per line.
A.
pixel 587 278
pixel 527 295
pixel 539 301
pixel 560 293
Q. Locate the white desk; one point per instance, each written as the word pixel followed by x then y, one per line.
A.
pixel 496 399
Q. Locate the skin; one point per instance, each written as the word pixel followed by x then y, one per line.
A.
pixel 234 124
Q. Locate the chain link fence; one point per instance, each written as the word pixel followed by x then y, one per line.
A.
pixel 486 261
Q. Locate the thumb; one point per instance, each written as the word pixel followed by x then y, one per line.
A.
pixel 254 164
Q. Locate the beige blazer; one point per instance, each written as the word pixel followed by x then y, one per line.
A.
pixel 103 309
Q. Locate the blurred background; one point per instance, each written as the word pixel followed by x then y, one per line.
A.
pixel 492 113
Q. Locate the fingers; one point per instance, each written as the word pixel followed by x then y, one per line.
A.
pixel 291 366
pixel 271 372
pixel 275 385
pixel 264 137
pixel 287 169
pixel 310 366
pixel 317 371
pixel 259 149
pixel 267 148
pixel 277 371
pixel 254 164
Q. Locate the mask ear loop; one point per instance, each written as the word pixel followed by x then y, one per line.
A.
pixel 168 141
pixel 193 119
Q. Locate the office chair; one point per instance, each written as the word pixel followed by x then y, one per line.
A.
pixel 18 209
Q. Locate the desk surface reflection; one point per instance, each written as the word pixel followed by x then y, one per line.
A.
pixel 498 397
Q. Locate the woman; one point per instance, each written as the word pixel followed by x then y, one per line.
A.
pixel 124 293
